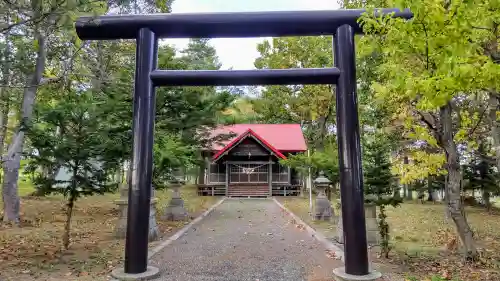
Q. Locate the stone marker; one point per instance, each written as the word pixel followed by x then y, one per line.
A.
pixel 121 225
pixel 372 234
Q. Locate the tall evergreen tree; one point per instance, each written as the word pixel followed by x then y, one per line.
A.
pixel 379 184
pixel 68 134
pixel 480 174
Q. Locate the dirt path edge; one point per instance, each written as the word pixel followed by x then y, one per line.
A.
pixel 183 230
pixel 320 237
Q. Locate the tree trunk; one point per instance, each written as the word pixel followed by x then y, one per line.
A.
pixel 70 205
pixel 4 97
pixel 430 190
pixel 397 190
pixel 128 176
pixel 67 226
pixel 320 140
pixel 486 195
pixel 421 195
pixel 447 214
pixel 409 193
pixel 4 94
pixel 493 108
pixel 12 159
pixel 320 145
pixel 484 173
pixel 454 201
pixel 119 174
pixel 50 173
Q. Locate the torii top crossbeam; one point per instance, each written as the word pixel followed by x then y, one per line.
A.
pixel 224 25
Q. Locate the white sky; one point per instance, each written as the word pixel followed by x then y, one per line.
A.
pixel 240 53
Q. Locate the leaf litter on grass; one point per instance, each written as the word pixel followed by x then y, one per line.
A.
pixel 425 242
pixel 33 251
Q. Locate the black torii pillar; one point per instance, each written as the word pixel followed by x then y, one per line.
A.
pixel 349 153
pixel 146 29
pixel 142 155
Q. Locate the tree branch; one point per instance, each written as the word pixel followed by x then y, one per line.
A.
pixel 34 20
pixel 478 122
pixel 43 81
pixel 426 47
pixel 428 119
pixel 481 27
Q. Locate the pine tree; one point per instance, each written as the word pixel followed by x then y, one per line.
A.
pixel 378 179
pixel 68 135
pixel 480 174
pixel 379 183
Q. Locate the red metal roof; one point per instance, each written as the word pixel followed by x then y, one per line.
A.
pixel 246 134
pixel 282 137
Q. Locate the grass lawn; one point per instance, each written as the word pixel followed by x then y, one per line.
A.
pixel 421 234
pixel 33 251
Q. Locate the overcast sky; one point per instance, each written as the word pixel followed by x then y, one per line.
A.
pixel 240 53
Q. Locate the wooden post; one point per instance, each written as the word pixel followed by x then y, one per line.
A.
pixel 270 176
pixel 290 177
pixel 207 170
pixel 201 173
pixel 227 179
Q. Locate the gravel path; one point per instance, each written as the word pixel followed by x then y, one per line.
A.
pixel 245 240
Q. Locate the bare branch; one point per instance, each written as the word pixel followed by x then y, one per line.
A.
pixel 471 132
pixel 43 81
pixel 481 27
pixel 34 20
pixel 428 119
pixel 14 147
pixel 31 21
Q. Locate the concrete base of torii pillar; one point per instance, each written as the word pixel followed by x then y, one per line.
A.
pixel 339 274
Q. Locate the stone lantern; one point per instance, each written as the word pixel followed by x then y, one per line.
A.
pixel 175 210
pixel 323 209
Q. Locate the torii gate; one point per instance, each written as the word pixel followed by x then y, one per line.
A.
pixel 147 29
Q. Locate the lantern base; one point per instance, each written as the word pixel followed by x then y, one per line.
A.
pixel 323 207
